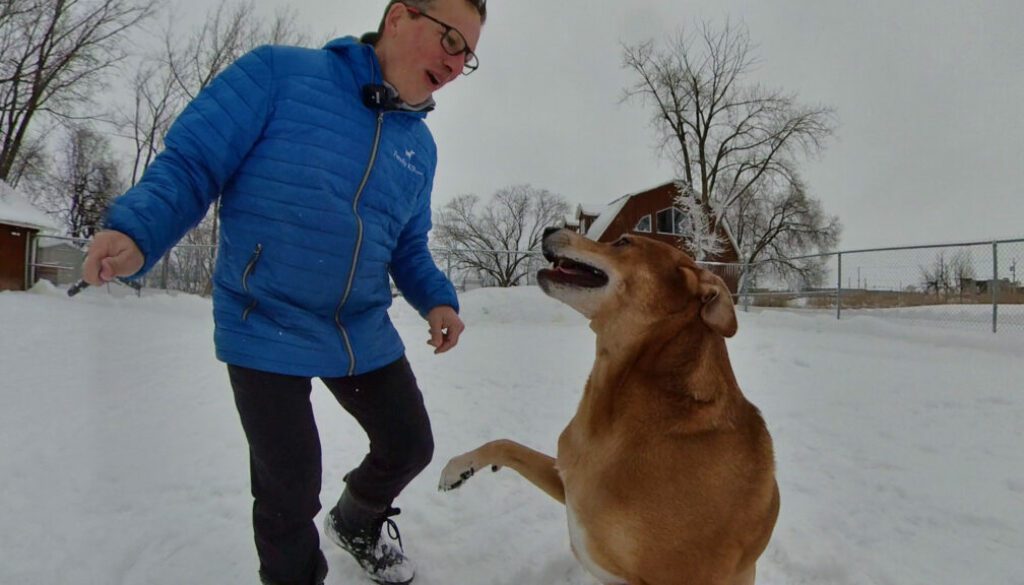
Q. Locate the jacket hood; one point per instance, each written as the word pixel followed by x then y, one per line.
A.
pixel 342 43
pixel 362 57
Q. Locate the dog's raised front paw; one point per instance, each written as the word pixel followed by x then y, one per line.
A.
pixel 458 470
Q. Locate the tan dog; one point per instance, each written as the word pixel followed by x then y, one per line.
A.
pixel 666 471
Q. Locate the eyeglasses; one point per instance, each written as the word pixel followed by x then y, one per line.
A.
pixel 452 41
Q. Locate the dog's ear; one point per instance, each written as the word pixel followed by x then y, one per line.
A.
pixel 717 309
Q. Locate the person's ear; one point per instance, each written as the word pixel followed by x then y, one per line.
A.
pixel 393 18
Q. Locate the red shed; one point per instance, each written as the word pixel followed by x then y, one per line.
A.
pixel 20 222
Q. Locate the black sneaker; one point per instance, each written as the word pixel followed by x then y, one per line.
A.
pixel 381 558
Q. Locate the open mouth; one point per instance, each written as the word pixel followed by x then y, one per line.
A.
pixel 574 273
pixel 434 79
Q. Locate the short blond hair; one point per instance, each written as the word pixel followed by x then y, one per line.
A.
pixel 479 5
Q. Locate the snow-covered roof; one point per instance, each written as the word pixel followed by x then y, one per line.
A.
pixel 611 211
pixel 15 209
pixel 653 187
pixel 589 209
pixel 604 220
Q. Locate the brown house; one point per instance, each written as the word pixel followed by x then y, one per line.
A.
pixel 651 213
pixel 20 222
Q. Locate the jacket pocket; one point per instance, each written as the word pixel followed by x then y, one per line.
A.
pixel 250 267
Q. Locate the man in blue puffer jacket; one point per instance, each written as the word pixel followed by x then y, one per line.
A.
pixel 324 168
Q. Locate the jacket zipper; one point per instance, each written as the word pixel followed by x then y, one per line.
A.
pixel 245 279
pixel 359 244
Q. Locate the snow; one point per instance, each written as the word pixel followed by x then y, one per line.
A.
pixel 899 446
pixel 15 209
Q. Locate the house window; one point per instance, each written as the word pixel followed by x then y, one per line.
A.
pixel 665 221
pixel 672 221
pixel 644 225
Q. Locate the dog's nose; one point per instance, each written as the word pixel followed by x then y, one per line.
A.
pixel 550 230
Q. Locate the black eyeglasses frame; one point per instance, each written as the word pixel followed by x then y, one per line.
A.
pixel 471 62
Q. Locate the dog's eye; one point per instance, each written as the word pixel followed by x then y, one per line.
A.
pixel 623 241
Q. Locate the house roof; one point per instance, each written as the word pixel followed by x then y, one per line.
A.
pixel 611 211
pixel 15 209
pixel 604 220
pixel 589 209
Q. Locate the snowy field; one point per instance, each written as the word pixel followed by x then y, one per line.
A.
pixel 900 448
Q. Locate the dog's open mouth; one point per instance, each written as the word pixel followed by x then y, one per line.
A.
pixel 575 273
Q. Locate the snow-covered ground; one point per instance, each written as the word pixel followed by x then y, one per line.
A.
pixel 900 448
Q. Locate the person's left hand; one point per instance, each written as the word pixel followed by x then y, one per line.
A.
pixel 445 328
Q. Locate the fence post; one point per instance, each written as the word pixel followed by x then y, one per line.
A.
pixel 744 278
pixel 839 287
pixel 995 285
pixel 32 250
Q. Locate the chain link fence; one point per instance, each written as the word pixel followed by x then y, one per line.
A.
pixel 973 285
pixel 186 268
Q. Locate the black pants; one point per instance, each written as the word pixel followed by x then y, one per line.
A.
pixel 284 455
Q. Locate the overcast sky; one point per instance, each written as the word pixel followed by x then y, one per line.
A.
pixel 929 95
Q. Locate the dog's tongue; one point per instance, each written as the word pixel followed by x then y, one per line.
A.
pixel 572 270
pixel 570 267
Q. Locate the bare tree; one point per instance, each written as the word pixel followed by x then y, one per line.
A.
pixel 697 226
pixel 54 55
pixel 83 183
pixel 736 144
pixel 769 228
pixel 949 275
pixel 165 82
pixel 33 163
pixel 962 272
pixel 500 239
pixel 229 31
pixel 938 277
pixel 157 101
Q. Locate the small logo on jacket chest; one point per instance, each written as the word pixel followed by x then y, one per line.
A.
pixel 406 161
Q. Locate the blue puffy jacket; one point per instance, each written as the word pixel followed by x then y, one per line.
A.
pixel 321 197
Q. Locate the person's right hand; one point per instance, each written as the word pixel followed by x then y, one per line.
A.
pixel 111 254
